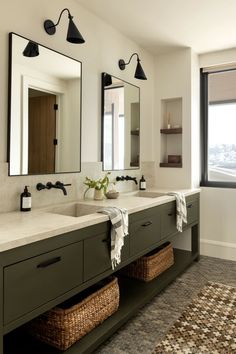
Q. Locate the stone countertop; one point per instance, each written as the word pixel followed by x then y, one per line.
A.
pixel 22 228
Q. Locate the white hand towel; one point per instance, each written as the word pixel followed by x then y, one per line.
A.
pixel 120 222
pixel 181 210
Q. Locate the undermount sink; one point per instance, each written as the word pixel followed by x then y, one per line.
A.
pixel 146 194
pixel 74 209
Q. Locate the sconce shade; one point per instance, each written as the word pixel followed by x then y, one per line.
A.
pixel 31 50
pixel 73 34
pixel 139 73
pixel 107 80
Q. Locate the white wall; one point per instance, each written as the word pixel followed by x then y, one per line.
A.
pixel 195 120
pixel 103 48
pixel 218 205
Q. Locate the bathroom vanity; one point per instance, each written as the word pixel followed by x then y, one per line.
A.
pixel 45 266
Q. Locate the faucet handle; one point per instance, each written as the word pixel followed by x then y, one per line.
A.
pixel 40 186
pixel 120 178
pixel 49 185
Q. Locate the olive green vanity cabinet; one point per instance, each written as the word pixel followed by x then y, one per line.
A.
pixel 41 275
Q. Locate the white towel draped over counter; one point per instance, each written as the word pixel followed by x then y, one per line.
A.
pixel 181 210
pixel 119 229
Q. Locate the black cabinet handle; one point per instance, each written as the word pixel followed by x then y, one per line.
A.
pixel 170 214
pixel 189 206
pixel 147 223
pixel 106 240
pixel 49 262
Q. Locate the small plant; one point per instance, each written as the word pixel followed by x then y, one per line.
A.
pixel 100 184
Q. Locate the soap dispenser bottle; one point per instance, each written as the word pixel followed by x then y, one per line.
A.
pixel 25 200
pixel 142 184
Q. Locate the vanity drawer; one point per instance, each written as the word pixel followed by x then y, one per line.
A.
pixel 168 219
pixel 35 281
pixel 145 232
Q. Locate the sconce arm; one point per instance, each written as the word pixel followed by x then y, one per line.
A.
pixel 122 63
pixel 132 57
pixel 59 19
pixel 50 26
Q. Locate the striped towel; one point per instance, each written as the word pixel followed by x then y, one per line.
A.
pixel 181 210
pixel 119 229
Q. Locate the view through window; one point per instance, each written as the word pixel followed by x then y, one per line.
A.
pixel 218 128
pixel 222 142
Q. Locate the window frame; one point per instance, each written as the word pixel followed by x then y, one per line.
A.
pixel 204 132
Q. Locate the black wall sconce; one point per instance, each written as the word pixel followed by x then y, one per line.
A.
pixel 73 34
pixel 139 73
pixel 31 50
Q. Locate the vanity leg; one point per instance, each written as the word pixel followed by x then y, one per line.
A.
pixel 1 312
pixel 1 343
pixel 195 241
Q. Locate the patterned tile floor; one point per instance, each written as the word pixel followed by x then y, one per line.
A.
pixel 143 331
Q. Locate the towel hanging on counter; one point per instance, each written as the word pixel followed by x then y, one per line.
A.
pixel 119 229
pixel 181 210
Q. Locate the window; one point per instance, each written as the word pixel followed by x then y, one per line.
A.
pixel 218 128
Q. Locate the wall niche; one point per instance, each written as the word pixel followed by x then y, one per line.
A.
pixel 171 132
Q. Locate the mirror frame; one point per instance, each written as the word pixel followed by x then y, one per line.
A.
pixel 10 101
pixel 102 123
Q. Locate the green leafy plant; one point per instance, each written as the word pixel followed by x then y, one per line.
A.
pixel 100 184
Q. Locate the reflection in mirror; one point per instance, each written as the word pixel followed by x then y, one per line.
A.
pixel 45 111
pixel 120 124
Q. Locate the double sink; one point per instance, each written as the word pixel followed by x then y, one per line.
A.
pixel 80 209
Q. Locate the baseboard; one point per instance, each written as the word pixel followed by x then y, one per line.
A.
pixel 218 249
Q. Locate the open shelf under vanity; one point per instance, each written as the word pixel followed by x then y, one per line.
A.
pixel 133 295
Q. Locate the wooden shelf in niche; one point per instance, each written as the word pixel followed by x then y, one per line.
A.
pixel 169 164
pixel 171 131
pixel 134 132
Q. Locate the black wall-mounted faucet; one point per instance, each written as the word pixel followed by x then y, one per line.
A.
pixel 127 178
pixel 49 185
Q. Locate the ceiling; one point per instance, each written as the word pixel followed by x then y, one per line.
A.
pixel 161 26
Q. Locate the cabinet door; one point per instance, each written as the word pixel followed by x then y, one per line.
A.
pixel 97 254
pixel 35 281
pixel 168 220
pixel 192 203
pixel 144 231
pixel 97 257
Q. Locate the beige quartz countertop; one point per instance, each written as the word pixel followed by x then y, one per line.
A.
pixel 22 228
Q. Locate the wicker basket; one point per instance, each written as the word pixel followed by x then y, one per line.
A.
pixel 62 326
pixel 153 264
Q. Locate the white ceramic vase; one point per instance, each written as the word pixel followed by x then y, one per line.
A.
pixel 98 194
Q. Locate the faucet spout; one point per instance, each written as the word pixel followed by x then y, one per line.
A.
pixel 58 185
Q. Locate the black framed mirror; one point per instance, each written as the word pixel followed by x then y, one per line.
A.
pixel 120 124
pixel 45 105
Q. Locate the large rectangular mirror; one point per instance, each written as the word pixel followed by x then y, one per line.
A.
pixel 120 124
pixel 44 111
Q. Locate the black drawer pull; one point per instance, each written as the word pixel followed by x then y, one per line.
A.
pixel 106 240
pixel 189 206
pixel 147 223
pixel 170 214
pixel 49 262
